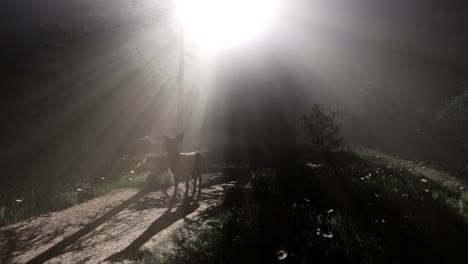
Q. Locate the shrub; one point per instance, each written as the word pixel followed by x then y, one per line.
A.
pixel 452 121
pixel 447 130
pixel 321 129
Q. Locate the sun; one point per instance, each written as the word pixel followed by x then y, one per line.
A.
pixel 217 24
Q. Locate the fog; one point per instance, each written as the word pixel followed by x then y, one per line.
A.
pixel 83 81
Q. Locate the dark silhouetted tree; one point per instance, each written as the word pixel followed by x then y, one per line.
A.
pixel 321 129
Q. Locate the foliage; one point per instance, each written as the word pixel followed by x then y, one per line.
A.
pixel 382 213
pixel 144 172
pixel 451 122
pixel 447 130
pixel 321 129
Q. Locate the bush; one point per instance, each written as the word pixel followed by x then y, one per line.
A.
pixel 452 121
pixel 321 129
pixel 447 130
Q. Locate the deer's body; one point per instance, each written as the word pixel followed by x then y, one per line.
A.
pixel 184 166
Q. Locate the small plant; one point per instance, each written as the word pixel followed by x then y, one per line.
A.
pixel 321 129
pixel 159 180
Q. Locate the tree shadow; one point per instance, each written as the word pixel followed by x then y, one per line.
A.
pixel 30 235
pixel 62 246
pixel 164 221
pixel 169 217
pixel 21 239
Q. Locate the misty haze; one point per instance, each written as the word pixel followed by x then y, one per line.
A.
pixel 233 131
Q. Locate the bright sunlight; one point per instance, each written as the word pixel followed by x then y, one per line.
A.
pixel 216 24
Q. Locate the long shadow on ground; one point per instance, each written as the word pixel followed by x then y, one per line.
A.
pixel 16 245
pixel 60 247
pixel 164 221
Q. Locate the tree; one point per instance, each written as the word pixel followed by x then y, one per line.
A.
pixel 321 129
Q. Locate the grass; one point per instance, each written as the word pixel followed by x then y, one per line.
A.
pixel 369 208
pixel 418 169
pixel 377 209
pixel 22 201
pixel 17 205
pixel 416 179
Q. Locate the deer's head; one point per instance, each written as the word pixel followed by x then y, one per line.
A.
pixel 170 143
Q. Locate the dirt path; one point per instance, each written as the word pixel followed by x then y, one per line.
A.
pixel 122 223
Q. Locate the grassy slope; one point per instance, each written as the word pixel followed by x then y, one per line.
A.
pixel 379 209
pixel 422 178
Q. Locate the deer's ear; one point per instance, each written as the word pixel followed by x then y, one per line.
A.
pixel 179 137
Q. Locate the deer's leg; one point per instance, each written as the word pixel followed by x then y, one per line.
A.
pixel 199 176
pixel 194 176
pixel 187 185
pixel 176 187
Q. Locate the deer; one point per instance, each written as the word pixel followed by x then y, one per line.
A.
pixel 184 165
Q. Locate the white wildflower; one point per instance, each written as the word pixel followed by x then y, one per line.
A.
pixel 281 254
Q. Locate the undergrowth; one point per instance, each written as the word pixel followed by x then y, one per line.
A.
pixel 367 209
pixel 21 202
